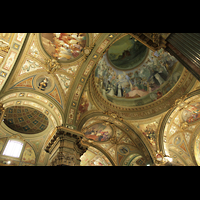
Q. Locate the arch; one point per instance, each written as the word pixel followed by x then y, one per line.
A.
pixel 30 82
pixel 174 108
pixel 97 50
pixel 103 152
pixel 133 134
pixel 188 130
pixel 112 161
pixel 35 100
pixel 176 154
pixel 133 157
pixel 192 144
pixel 27 154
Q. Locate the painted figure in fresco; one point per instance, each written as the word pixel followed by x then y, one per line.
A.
pixel 195 112
pixel 98 133
pixel 43 84
pixel 140 81
pixel 123 150
pixel 64 45
pixel 150 132
pixel 83 106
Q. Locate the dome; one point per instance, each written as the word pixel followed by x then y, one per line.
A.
pixel 25 119
pixel 129 74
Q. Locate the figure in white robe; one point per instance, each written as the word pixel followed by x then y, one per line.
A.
pixel 111 92
pixel 119 90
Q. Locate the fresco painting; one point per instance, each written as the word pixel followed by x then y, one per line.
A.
pixel 63 46
pixel 28 155
pixel 150 131
pixel 191 113
pixel 99 132
pixel 149 80
pixel 84 105
pixel 29 66
pixel 127 53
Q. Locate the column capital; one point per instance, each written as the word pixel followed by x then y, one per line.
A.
pixel 66 147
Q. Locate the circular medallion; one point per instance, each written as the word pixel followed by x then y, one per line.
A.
pixel 177 140
pixel 123 150
pixel 63 46
pixel 43 83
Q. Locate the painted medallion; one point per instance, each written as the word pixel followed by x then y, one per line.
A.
pixel 63 46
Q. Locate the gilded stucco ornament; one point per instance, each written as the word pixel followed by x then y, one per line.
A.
pixel 184 125
pixel 113 115
pixel 179 101
pixel 4 46
pixel 87 50
pixel 52 65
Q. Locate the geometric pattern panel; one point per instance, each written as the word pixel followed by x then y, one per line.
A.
pixel 25 119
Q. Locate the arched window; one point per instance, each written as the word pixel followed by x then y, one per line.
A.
pixel 13 148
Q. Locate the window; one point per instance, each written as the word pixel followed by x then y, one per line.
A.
pixel 13 148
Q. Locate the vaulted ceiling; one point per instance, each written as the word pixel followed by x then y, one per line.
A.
pixel 130 102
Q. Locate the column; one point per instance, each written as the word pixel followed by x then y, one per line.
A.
pixel 66 147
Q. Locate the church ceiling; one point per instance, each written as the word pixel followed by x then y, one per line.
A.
pixel 180 134
pixel 109 86
pixel 9 55
pixel 64 46
pixel 141 80
pixel 25 119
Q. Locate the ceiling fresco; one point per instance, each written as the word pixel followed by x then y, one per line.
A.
pixel 181 132
pixel 10 47
pixel 147 81
pixel 149 128
pixel 111 87
pixel 191 113
pixel 63 46
pixel 99 132
pixel 127 53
